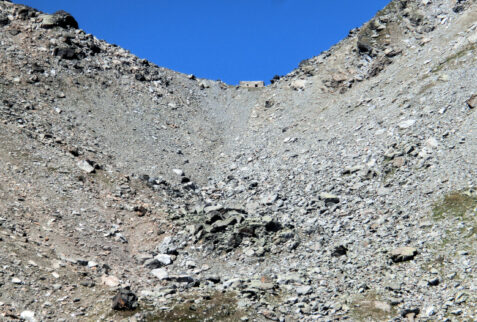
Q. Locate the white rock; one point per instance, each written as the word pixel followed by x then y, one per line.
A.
pixel 191 264
pixel 164 259
pixel 406 124
pixel 444 78
pixel 179 172
pixel 303 290
pixel 28 316
pixel 85 166
pixel 249 252
pixel 432 142
pixel 298 84
pixel 16 280
pixel 110 281
pixel 160 273
pixel 92 264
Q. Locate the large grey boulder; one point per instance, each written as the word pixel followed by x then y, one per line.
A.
pixel 59 19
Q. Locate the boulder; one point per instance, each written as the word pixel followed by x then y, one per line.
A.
pixel 125 300
pixel 406 124
pixel 110 281
pixel 472 101
pixel 60 19
pixel 329 198
pixel 403 254
pixel 28 316
pixel 85 166
pixel 160 274
pixel 298 84
pixel 68 53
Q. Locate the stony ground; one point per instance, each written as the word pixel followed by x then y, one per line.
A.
pixel 345 190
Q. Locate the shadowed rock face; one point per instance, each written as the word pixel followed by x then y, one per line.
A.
pixel 345 189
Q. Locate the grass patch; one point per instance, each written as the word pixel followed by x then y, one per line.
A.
pixel 217 307
pixel 426 87
pixel 370 307
pixel 452 58
pixel 103 179
pixel 459 211
pixel 456 204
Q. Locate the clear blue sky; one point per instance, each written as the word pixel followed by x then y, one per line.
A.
pixel 230 40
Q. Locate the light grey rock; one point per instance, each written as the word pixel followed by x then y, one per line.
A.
pixel 261 285
pixel 164 259
pixel 166 246
pixel 406 124
pixel 160 274
pixel 143 257
pixel 472 101
pixel 304 290
pixel 28 316
pixel 430 311
pixel 85 166
pixel 403 254
pixel 92 264
pixel 329 197
pixel 432 143
pixel 178 172
pixel 269 199
pixel 210 209
pixel 16 280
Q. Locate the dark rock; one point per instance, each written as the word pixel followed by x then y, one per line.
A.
pixel 4 20
pixel 125 300
pixel 152 263
pixel 65 53
pixel 94 49
pixel 458 8
pixel 144 177
pixel 221 225
pixel 182 279
pixel 213 217
pixel 275 78
pixel 140 77
pixel 433 282
pixel 65 19
pixel 185 180
pixel 413 311
pixel 273 226
pixel 25 12
pixel 87 283
pixel 233 241
pixel 364 47
pixel 269 103
pixel 378 66
pixel 339 251
pixel 214 279
pixel 416 19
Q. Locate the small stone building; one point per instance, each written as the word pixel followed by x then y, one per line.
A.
pixel 252 84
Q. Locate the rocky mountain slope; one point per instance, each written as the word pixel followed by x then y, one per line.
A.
pixel 345 190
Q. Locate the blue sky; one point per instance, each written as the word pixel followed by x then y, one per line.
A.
pixel 230 40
